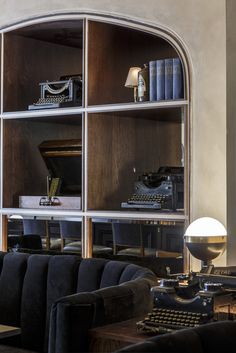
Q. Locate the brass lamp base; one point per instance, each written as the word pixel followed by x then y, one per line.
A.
pixel 206 248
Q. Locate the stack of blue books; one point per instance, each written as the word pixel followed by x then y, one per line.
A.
pixel 166 79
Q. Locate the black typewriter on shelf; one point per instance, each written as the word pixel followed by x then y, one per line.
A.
pixel 173 312
pixel 158 190
pixel 66 92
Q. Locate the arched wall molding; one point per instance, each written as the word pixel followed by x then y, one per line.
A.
pixel 135 23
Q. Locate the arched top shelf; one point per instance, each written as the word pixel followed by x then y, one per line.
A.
pixel 102 49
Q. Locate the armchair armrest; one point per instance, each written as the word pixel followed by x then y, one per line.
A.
pixel 71 318
pixel 74 315
pixel 126 301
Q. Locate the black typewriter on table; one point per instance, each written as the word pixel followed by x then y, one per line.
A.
pixel 66 92
pixel 173 312
pixel 158 190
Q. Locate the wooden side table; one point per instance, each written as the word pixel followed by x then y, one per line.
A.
pixel 109 338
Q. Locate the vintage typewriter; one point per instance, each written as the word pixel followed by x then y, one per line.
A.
pixel 158 190
pixel 172 312
pixel 63 93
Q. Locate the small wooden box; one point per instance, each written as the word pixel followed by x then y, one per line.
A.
pixel 66 203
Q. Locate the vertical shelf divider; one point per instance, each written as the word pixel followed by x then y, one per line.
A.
pixel 2 219
pixel 86 243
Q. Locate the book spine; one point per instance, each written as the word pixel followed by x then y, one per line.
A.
pixel 168 78
pixel 160 78
pixel 152 81
pixel 178 86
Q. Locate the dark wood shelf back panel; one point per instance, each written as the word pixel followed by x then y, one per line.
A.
pixel 112 50
pixel 166 114
pixel 24 169
pixel 117 146
pixel 29 61
pixel 68 33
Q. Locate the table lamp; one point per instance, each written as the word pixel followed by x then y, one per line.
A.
pixel 132 80
pixel 206 238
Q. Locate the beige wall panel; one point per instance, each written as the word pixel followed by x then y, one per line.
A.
pixel 231 131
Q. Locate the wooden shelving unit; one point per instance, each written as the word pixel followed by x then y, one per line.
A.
pixel 121 139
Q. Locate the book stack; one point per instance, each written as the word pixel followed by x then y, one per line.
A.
pixel 166 79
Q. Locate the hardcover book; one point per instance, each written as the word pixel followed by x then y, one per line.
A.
pixel 152 81
pixel 168 78
pixel 178 85
pixel 160 77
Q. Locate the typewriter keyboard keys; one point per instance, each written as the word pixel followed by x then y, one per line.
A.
pixel 173 319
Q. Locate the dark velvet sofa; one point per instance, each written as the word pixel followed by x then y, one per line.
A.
pixel 208 338
pixel 56 299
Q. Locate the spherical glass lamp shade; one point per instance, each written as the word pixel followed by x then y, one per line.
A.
pixel 206 238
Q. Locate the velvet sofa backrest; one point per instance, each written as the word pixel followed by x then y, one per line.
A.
pixel 30 284
pixel 34 303
pixel 11 285
pixel 100 273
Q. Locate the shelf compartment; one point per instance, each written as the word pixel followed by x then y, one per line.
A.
pixel 112 50
pixel 25 172
pixel 39 53
pixel 149 112
pixel 139 242
pixel 122 146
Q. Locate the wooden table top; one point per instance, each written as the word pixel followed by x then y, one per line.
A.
pixel 7 331
pixel 124 331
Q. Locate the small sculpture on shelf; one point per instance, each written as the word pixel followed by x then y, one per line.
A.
pixel 53 185
pixel 67 92
pixel 143 84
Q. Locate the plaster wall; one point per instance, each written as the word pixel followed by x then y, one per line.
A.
pixel 201 25
pixel 231 129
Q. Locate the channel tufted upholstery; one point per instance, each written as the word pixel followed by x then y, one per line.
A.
pixel 56 299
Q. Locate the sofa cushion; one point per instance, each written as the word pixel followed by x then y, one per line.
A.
pixel 61 281
pixel 112 273
pixel 90 274
pixel 131 272
pixel 33 313
pixel 11 284
pixel 217 337
pixel 187 341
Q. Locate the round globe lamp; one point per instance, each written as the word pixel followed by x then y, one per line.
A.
pixel 206 238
